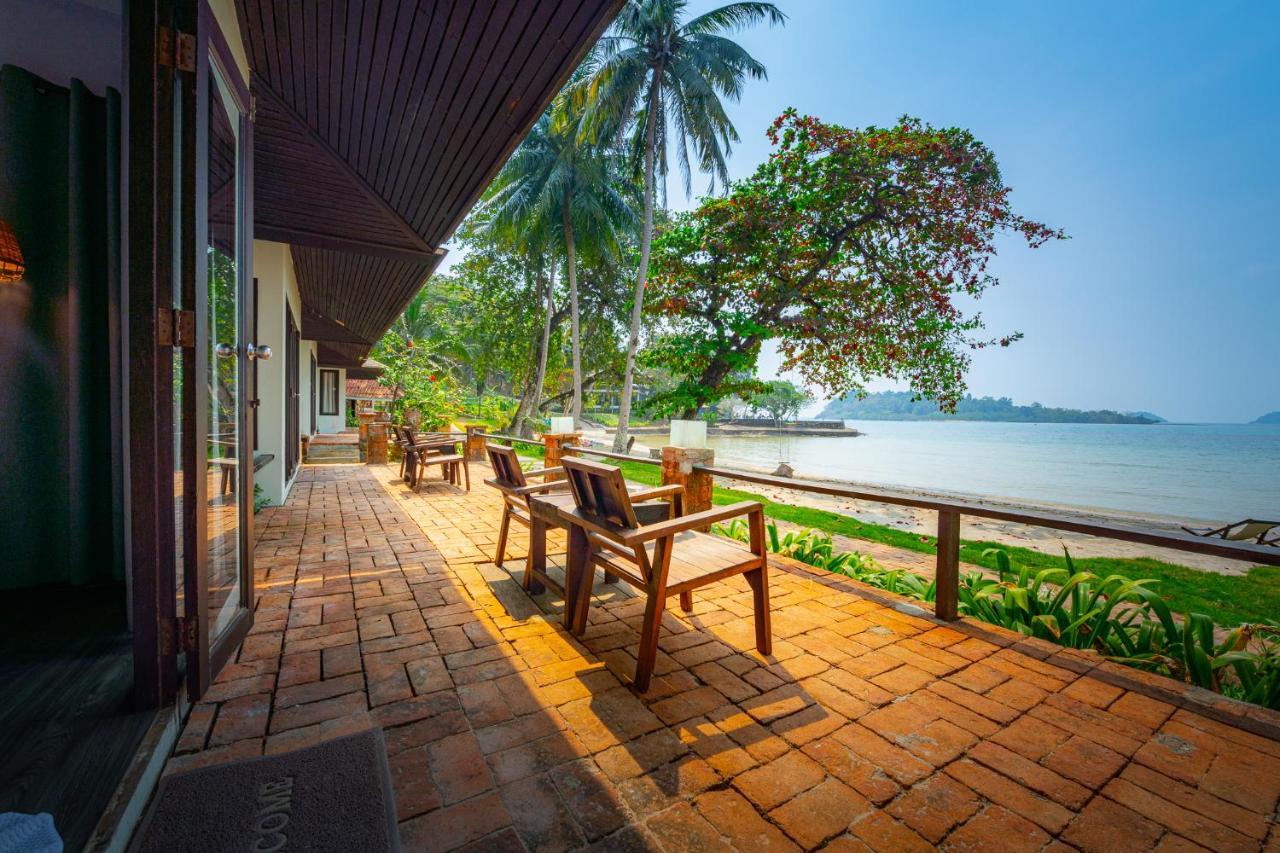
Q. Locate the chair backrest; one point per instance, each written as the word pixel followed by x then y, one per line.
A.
pixel 506 467
pixel 600 491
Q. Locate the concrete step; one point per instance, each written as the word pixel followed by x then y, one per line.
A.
pixel 333 453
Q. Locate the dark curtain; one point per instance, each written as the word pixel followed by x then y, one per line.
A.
pixel 61 471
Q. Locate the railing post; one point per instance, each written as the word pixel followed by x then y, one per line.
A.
pixel 475 443
pixel 554 443
pixel 946 602
pixel 678 467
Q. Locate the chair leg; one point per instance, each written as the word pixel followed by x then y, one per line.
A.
pixel 535 562
pixel 466 472
pixel 759 581
pixel 503 529
pixel 686 601
pixel 648 652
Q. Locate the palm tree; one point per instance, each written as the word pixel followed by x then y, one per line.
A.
pixel 662 78
pixel 558 185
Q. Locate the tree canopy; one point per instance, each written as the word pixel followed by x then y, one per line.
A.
pixel 779 399
pixel 851 248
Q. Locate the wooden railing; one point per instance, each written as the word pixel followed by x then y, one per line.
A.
pixel 950 512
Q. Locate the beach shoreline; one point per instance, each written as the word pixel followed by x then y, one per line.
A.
pixel 1045 540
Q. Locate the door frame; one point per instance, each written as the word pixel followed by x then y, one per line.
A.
pixel 208 654
pixel 292 395
pixel 156 101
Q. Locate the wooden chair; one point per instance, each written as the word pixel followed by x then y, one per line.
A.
pixel 512 481
pixel 664 558
pixel 436 449
pixel 400 440
pixel 422 450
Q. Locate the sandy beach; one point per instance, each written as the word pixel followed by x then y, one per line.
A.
pixel 1038 538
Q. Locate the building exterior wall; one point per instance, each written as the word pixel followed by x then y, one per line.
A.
pixel 277 288
pixel 336 423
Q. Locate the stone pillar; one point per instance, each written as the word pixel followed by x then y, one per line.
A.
pixel 555 444
pixel 365 418
pixel 475 443
pixel 376 446
pixel 677 467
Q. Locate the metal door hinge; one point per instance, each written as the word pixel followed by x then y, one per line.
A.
pixel 176 328
pixel 176 49
pixel 178 635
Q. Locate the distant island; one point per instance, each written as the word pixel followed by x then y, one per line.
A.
pixel 1269 418
pixel 899 406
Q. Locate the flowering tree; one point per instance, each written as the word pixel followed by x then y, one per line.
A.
pixel 417 382
pixel 850 248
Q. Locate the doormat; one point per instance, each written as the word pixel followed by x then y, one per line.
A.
pixel 334 796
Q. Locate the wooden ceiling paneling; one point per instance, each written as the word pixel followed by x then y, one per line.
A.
pixel 380 122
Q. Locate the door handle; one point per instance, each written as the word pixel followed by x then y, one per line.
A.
pixel 262 352
pixel 224 350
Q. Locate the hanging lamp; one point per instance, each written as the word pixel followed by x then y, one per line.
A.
pixel 12 267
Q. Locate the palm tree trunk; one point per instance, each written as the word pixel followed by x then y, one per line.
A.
pixel 545 345
pixel 571 267
pixel 642 275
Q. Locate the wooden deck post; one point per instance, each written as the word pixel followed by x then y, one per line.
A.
pixel 554 443
pixel 678 468
pixel 946 602
pixel 475 443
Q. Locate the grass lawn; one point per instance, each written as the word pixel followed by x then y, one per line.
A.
pixel 1228 600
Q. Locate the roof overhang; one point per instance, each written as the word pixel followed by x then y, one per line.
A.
pixel 378 127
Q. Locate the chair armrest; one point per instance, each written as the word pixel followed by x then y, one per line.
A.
pixel 689 522
pixel 657 492
pixel 544 472
pixel 535 488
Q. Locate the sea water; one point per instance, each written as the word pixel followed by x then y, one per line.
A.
pixel 1209 472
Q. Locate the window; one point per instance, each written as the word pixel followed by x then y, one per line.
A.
pixel 328 392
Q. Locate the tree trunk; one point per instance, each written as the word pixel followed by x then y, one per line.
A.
pixel 531 394
pixel 571 271
pixel 646 237
pixel 541 376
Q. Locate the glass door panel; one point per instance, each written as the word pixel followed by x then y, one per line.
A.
pixel 226 452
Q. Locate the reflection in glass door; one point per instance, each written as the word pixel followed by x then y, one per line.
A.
pixel 226 472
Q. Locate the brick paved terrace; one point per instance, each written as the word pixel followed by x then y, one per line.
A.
pixel 871 727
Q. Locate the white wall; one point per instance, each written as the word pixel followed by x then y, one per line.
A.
pixel 277 287
pixel 338 422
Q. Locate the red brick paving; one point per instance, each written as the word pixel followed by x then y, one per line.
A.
pixel 871 727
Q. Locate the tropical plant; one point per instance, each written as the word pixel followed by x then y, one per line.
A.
pixel 558 183
pixel 419 383
pixel 661 78
pixel 853 249
pixel 1072 608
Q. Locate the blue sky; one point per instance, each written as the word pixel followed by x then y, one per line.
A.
pixel 1150 131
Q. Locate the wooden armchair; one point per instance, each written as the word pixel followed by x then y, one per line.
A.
pixel 664 558
pixel 438 449
pixel 513 482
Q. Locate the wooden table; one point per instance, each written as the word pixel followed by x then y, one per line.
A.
pixel 560 510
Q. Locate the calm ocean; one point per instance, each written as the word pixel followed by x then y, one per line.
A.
pixel 1212 472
